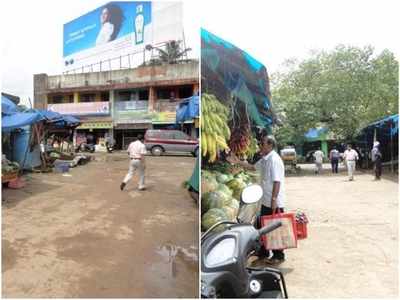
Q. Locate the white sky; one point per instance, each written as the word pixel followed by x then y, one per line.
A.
pixel 269 30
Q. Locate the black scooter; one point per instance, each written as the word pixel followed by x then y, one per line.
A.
pixel 224 271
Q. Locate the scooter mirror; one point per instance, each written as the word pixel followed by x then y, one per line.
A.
pixel 252 194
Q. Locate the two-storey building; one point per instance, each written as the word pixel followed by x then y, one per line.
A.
pixel 120 103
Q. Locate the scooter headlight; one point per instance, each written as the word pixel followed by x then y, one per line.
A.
pixel 222 252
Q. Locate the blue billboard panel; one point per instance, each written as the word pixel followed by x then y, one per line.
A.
pixel 105 24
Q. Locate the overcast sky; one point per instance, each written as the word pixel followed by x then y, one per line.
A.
pixel 270 30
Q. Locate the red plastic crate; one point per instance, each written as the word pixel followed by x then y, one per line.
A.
pixel 301 231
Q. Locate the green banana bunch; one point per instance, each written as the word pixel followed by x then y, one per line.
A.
pixel 215 131
pixel 253 147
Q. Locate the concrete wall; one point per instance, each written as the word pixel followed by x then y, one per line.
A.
pixel 141 76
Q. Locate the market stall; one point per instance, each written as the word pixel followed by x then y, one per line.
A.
pixel 386 131
pixel 235 107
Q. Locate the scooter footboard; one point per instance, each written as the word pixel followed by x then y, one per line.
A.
pixel 271 280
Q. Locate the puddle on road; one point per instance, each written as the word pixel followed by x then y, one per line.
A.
pixel 172 255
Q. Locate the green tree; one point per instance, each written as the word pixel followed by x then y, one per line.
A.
pixel 343 90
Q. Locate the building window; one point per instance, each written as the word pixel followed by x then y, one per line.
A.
pixel 185 91
pixel 144 95
pixel 56 99
pixel 133 95
pixel 105 96
pixel 87 97
pixel 165 93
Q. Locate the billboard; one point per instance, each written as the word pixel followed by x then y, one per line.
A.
pixel 118 29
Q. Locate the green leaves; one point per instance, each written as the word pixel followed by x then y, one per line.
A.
pixel 344 90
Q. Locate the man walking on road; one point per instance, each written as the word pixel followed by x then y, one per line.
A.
pixel 272 171
pixel 136 151
pixel 334 156
pixel 319 159
pixel 376 157
pixel 350 157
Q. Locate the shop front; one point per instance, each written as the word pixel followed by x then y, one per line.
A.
pixel 125 133
pixel 93 132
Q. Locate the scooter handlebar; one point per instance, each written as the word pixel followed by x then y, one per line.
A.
pixel 270 227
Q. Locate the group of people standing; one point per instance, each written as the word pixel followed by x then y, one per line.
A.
pixel 350 158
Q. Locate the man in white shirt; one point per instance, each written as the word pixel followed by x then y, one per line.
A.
pixel 350 157
pixel 136 151
pixel 318 158
pixel 272 171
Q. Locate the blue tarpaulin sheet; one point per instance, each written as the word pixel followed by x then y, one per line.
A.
pixel 18 120
pixel 229 71
pixel 188 109
pixel 7 106
pixel 391 122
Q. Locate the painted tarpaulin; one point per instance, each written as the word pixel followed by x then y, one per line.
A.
pixel 227 71
pixel 188 109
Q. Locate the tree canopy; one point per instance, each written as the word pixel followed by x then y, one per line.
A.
pixel 344 90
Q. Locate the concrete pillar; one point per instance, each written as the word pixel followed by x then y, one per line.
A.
pixel 111 100
pixel 76 97
pixel 97 97
pixel 40 83
pixel 152 99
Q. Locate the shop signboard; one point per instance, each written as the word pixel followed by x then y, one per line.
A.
pixel 84 108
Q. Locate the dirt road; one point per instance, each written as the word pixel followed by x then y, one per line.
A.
pixel 80 236
pixel 352 248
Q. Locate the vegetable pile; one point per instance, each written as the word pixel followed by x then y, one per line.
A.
pixel 221 191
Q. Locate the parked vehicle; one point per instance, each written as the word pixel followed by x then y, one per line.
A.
pixel 162 141
pixel 83 147
pixel 224 271
pixel 289 157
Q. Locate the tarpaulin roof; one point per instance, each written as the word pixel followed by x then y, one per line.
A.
pixel 188 109
pixel 18 120
pixel 7 106
pixel 390 122
pixel 59 120
pixel 229 71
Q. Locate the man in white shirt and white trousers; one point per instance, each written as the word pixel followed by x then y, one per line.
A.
pixel 136 151
pixel 350 156
pixel 319 159
pixel 272 171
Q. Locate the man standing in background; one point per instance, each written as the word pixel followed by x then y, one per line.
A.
pixel 319 159
pixel 136 151
pixel 334 156
pixel 376 157
pixel 350 157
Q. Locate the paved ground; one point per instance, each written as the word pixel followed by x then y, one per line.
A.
pixel 352 248
pixel 80 236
